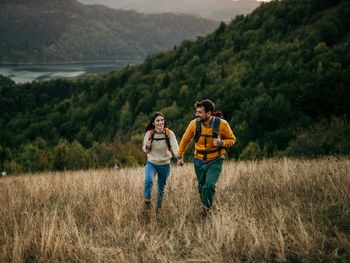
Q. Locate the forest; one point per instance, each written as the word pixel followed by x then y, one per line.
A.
pixel 280 76
pixel 65 31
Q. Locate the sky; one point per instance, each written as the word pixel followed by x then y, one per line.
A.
pixel 220 10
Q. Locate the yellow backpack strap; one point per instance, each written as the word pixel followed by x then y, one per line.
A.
pixel 167 139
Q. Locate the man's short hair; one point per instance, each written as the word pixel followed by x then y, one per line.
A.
pixel 208 105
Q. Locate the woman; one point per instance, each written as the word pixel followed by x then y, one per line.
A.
pixel 160 145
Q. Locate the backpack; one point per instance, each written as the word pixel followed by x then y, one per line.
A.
pixel 166 138
pixel 217 115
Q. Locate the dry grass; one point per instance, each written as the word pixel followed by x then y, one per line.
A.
pixel 273 210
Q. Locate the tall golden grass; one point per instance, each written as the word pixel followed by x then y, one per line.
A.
pixel 272 210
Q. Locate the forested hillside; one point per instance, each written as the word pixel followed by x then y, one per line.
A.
pixel 65 30
pixel 281 77
pixel 5 81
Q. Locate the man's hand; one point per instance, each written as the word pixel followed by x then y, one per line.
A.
pixel 180 161
pixel 217 142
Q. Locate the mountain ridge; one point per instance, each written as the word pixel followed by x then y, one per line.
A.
pixel 44 31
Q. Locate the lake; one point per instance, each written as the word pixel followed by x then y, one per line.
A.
pixel 22 73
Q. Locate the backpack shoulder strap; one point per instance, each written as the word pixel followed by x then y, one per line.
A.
pixel 216 125
pixel 167 138
pixel 197 135
pixel 151 135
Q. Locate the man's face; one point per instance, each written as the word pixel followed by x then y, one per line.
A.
pixel 201 114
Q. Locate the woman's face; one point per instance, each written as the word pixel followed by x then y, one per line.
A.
pixel 159 123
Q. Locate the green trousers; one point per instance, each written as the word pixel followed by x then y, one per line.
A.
pixel 207 176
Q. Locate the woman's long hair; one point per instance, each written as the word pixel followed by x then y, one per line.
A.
pixel 151 126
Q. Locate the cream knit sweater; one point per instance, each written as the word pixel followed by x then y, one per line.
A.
pixel 159 153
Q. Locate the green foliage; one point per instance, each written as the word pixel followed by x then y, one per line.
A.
pixel 71 156
pixel 44 31
pixel 5 81
pixel 171 112
pixel 60 153
pixel 278 83
pixel 125 118
pixel 118 153
pixel 31 157
pixel 322 138
pixel 251 152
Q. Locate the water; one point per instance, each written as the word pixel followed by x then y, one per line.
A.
pixel 23 73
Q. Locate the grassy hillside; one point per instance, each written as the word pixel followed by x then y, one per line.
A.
pixel 280 76
pixel 269 211
pixel 47 31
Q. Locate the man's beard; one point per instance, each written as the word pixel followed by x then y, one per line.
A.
pixel 202 120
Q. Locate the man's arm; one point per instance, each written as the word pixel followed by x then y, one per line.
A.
pixel 185 141
pixel 228 138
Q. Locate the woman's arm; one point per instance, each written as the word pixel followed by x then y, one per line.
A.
pixel 146 146
pixel 173 143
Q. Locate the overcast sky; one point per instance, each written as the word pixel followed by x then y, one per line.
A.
pixel 221 10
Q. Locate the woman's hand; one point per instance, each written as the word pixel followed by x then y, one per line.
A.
pixel 149 145
pixel 180 161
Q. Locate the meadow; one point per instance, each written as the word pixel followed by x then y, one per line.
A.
pixel 272 210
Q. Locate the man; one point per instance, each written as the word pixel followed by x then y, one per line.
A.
pixel 212 136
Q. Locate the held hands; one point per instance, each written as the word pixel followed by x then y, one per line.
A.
pixel 180 161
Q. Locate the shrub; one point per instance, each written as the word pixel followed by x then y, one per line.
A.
pixel 323 138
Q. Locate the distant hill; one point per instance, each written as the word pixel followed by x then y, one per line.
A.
pixel 5 81
pixel 65 30
pixel 280 75
pixel 221 10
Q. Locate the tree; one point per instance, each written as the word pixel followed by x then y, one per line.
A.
pixel 125 118
pixel 60 155
pixel 5 81
pixel 34 156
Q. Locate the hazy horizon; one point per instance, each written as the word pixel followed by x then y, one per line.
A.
pixel 220 10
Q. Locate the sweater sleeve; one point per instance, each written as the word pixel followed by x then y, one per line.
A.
pixel 187 138
pixel 173 143
pixel 145 139
pixel 227 135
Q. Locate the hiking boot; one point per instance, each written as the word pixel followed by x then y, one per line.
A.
pixel 146 212
pixel 204 212
pixel 158 209
pixel 147 205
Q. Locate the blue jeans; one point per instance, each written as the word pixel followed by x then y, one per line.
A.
pixel 152 170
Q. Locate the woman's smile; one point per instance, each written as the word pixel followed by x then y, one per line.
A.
pixel 159 123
